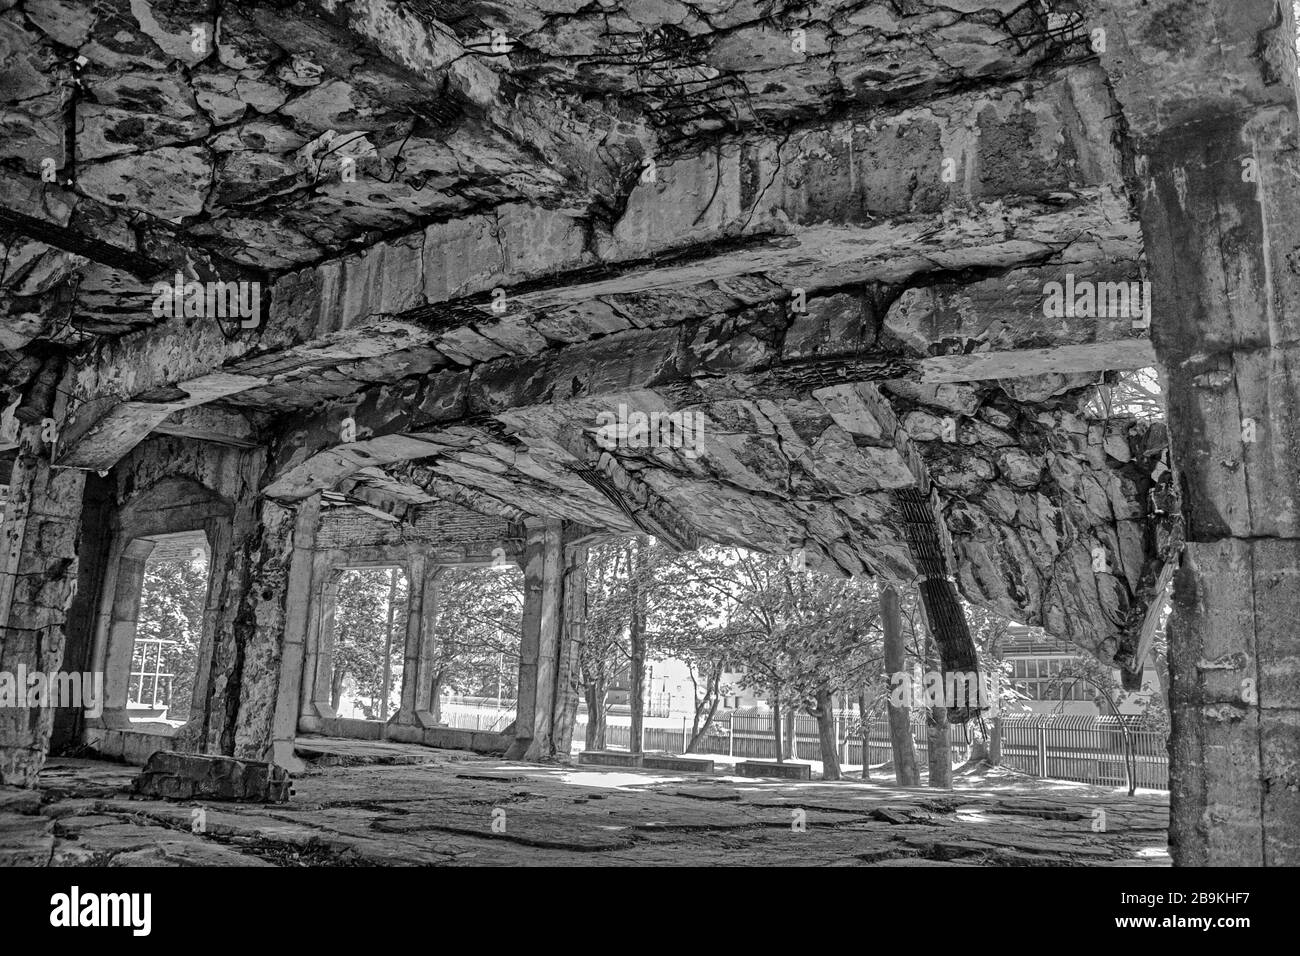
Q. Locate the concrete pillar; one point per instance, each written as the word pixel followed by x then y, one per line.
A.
pixel 232 570
pixel 318 705
pixel 416 709
pixel 540 642
pixel 38 581
pixel 1208 94
pixel 118 636
pixel 93 550
pixel 297 611
pixel 273 598
pixel 218 531
pixel 568 680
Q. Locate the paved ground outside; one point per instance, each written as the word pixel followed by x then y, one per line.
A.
pixel 365 803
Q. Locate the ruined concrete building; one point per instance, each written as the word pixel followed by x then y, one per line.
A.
pixel 320 284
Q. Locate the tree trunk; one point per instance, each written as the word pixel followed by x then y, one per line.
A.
pixel 435 700
pixel 866 731
pixel 594 692
pixel 336 687
pixel 940 756
pixel 712 699
pixel 776 724
pixel 906 772
pixel 826 736
pixel 636 637
pixel 636 692
pixel 938 732
pixel 790 728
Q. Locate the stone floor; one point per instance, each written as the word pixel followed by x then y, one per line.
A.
pixel 365 803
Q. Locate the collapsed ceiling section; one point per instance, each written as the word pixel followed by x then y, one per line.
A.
pixel 818 234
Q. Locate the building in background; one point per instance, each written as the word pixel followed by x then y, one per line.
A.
pixel 1037 659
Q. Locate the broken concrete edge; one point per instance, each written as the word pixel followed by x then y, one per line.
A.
pixel 172 775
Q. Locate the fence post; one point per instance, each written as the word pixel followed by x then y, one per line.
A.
pixel 1042 749
pixel 731 737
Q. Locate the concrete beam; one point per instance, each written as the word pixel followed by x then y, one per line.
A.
pixel 597 375
pixel 96 443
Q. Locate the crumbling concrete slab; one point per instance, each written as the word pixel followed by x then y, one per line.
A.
pixel 507 813
pixel 183 776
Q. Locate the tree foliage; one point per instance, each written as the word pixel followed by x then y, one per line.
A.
pixel 171 610
pixel 476 633
pixel 361 621
pixel 480 611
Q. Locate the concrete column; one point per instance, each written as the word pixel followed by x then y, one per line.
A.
pixel 320 706
pixel 319 577
pixel 540 643
pixel 38 581
pixel 259 633
pixel 119 637
pixel 297 610
pixel 235 554
pixel 568 680
pixel 218 534
pixel 418 661
pixel 1208 93
pixel 93 550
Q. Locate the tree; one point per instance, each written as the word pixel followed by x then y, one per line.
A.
pixel 476 636
pixel 366 596
pixel 938 732
pixel 602 652
pixel 172 599
pixel 837 642
pixel 639 595
pixel 688 623
pixel 1132 393
pixel 906 773
pixel 753 631
pixel 805 636
pixel 989 630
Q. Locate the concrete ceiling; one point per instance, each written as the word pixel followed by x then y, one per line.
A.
pixel 825 229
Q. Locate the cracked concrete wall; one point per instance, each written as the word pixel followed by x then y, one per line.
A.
pixel 38 581
pixel 168 485
pixel 1210 99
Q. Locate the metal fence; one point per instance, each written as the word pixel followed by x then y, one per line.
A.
pixel 1060 747
pixel 1086 749
pixel 478 717
pixel 1073 747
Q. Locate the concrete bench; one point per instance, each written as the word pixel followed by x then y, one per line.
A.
pixel 609 758
pixel 765 768
pixel 673 762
